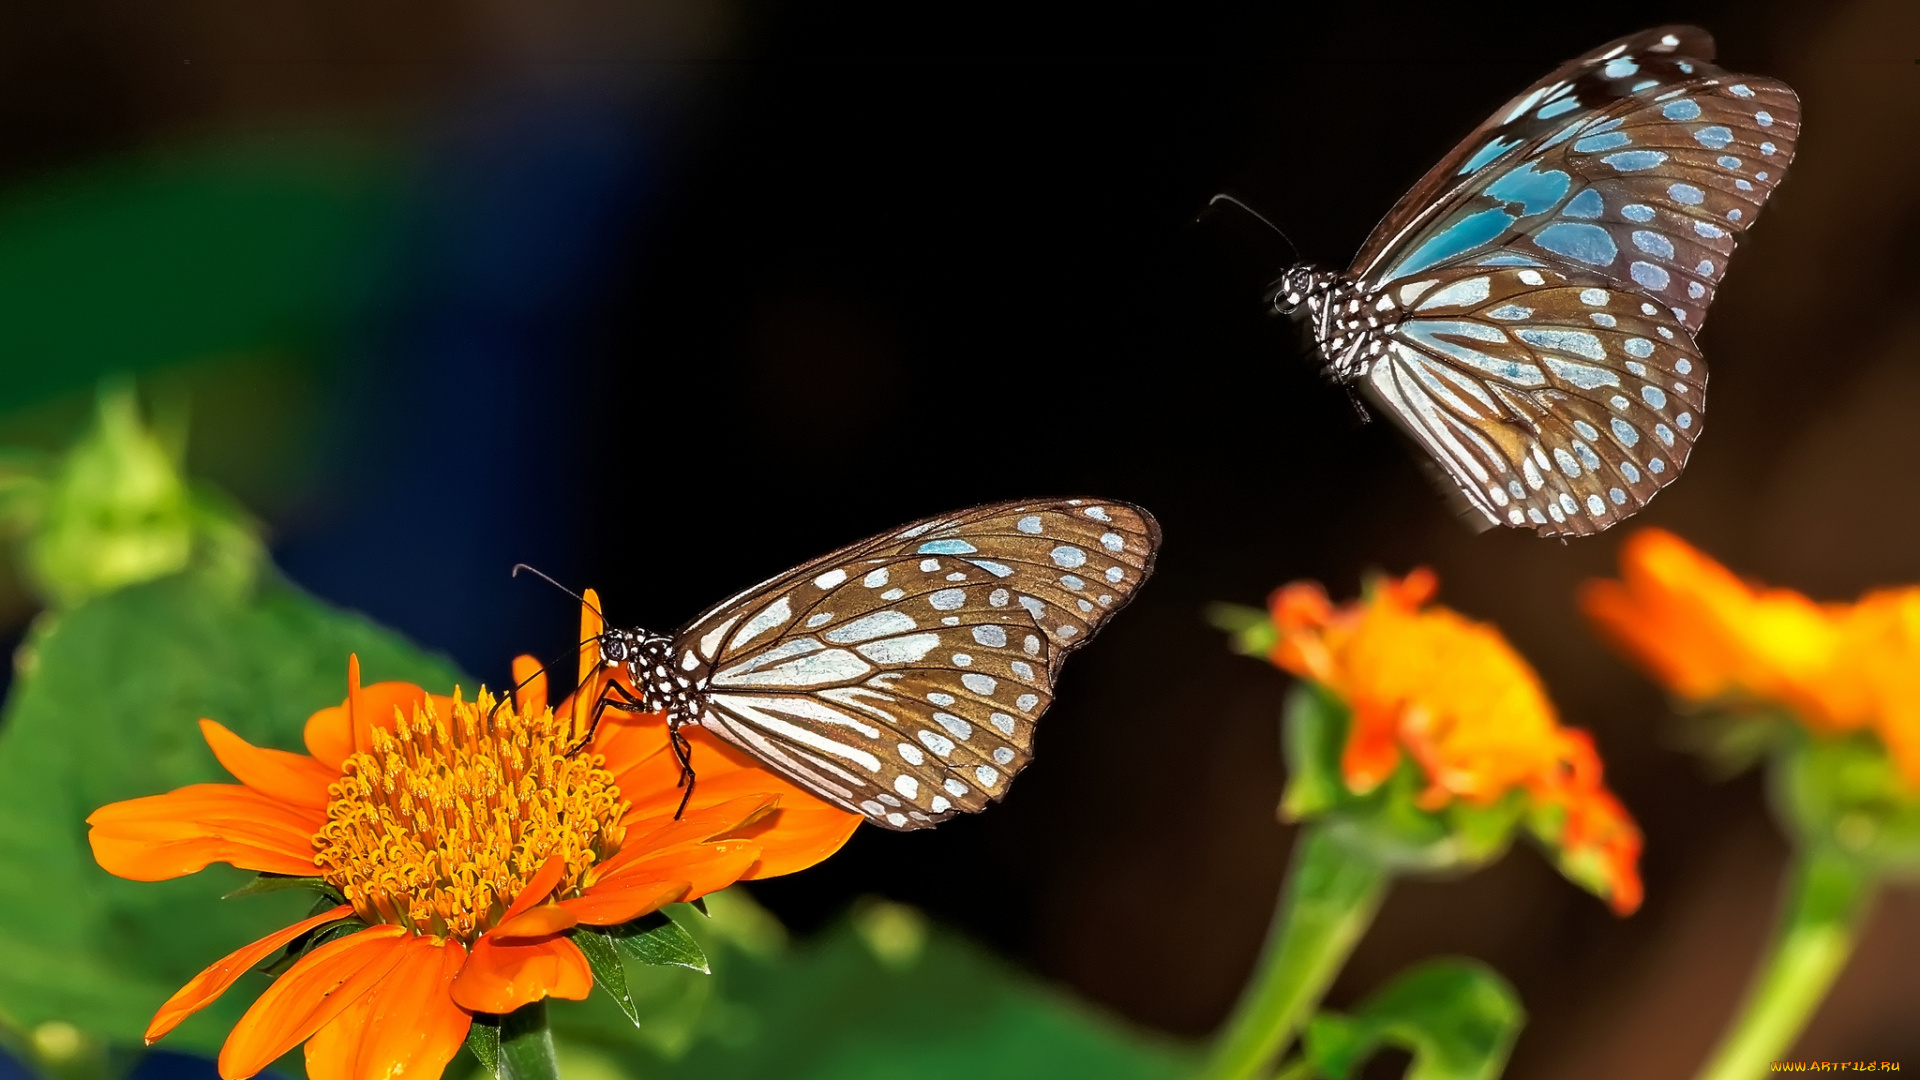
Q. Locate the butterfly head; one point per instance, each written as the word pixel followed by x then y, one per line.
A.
pixel 626 648
pixel 1297 288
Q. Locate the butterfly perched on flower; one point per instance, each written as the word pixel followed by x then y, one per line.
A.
pixel 1527 312
pixel 899 677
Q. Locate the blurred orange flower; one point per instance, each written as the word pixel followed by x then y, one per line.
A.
pixel 469 841
pixel 1709 636
pixel 1451 694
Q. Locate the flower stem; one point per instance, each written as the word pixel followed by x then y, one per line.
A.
pixel 1827 897
pixel 526 1047
pixel 1330 897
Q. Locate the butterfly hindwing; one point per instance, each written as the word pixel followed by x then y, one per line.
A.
pixel 900 677
pixel 1553 401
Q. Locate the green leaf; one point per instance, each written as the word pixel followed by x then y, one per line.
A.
pixel 272 883
pixel 835 1009
pixel 658 940
pixel 526 1045
pixel 1457 1017
pixel 609 971
pixel 309 941
pixel 104 709
pixel 483 1042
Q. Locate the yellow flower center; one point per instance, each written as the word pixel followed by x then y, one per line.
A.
pixel 440 825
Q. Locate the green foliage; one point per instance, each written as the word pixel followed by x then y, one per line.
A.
pixel 842 1007
pixel 1458 1018
pixel 103 709
pixel 1844 795
pixel 115 510
pixel 1250 629
pixel 660 941
pixel 255 246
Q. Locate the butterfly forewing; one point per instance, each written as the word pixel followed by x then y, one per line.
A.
pixel 1649 193
pixel 1554 401
pixel 900 677
pixel 1569 96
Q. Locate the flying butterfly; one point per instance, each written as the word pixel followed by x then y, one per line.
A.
pixel 899 677
pixel 1527 312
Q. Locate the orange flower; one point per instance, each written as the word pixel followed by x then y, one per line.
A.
pixel 1709 636
pixel 1426 683
pixel 470 842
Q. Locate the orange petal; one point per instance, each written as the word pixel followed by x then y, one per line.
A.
pixel 291 778
pixel 795 837
pixel 539 887
pixel 532 680
pixel 320 987
pixel 647 837
pixel 704 867
pixel 329 733
pixel 591 626
pixel 407 1026
pixel 1372 752
pixel 501 976
pixel 802 831
pixel 627 740
pixel 207 986
pixel 612 906
pixel 537 922
pixel 171 835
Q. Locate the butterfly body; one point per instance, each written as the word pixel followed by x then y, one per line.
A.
pixel 1527 312
pixel 650 663
pixel 899 677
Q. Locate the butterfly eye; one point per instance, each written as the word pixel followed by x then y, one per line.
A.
pixel 613 649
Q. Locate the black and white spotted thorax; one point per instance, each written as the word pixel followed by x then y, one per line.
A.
pixel 1345 321
pixel 659 676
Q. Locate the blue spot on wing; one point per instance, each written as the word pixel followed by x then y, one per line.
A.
pixel 1536 192
pixel 1587 204
pixel 1593 144
pixel 1635 160
pixel 947 547
pixel 1494 148
pixel 1589 244
pixel 1463 235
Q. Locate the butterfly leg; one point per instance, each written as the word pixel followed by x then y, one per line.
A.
pixel 628 703
pixel 683 755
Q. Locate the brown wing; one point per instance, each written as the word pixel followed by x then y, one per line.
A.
pixel 1570 95
pixel 900 677
pixel 1552 401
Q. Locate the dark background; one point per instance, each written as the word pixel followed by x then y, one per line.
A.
pixel 676 295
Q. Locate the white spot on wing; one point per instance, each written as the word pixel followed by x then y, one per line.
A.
pixel 830 579
pixel 901 650
pixel 775 614
pixel 749 709
pixel 878 624
pixel 809 669
pixel 710 641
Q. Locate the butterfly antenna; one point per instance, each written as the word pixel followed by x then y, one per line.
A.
pixel 519 566
pixel 1223 197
